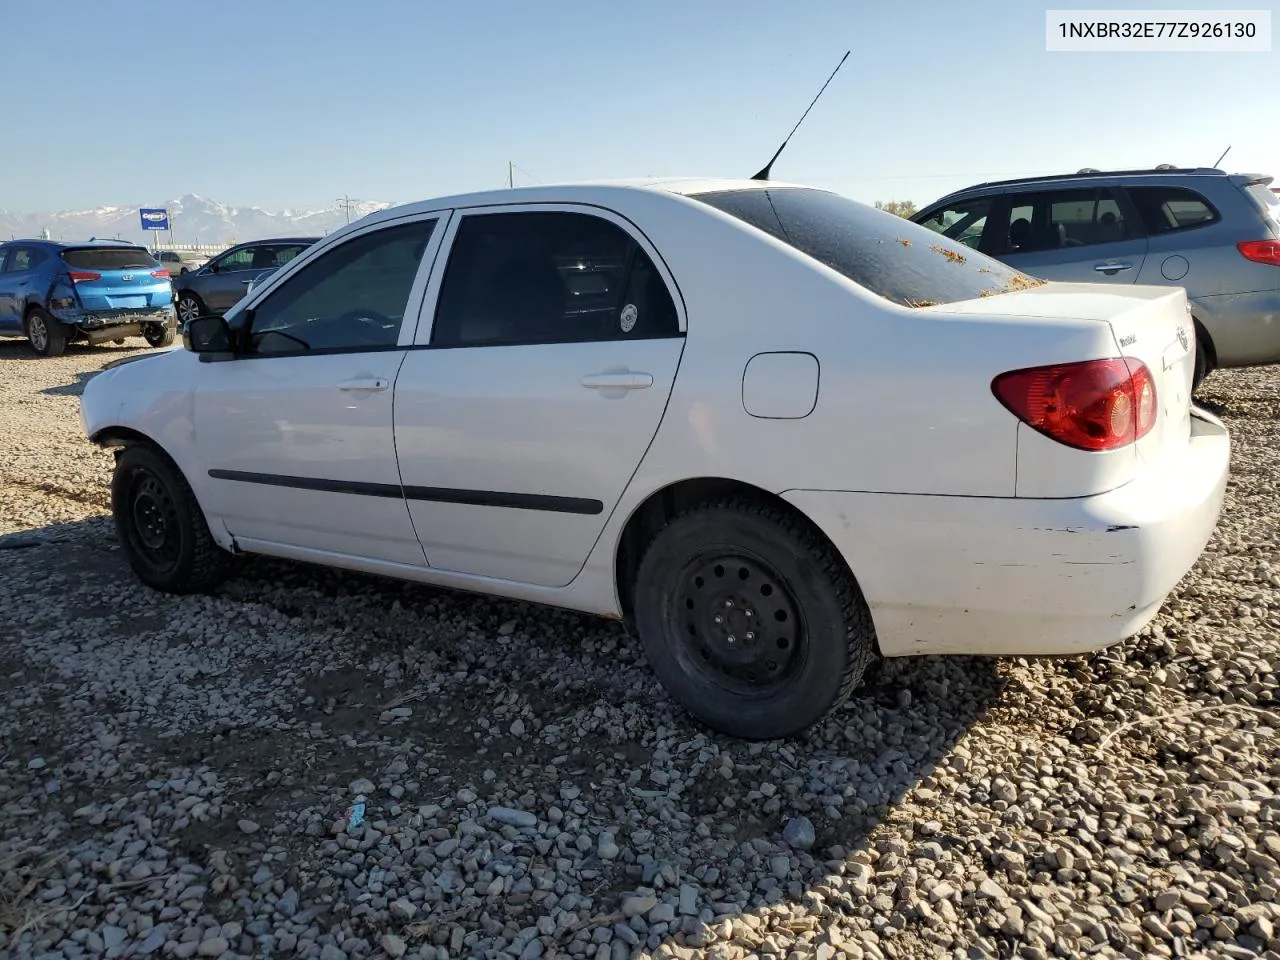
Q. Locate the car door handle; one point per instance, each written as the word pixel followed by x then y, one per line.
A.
pixel 1113 267
pixel 628 380
pixel 371 384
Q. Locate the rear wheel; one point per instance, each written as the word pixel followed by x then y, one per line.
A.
pixel 161 527
pixel 1204 364
pixel 159 335
pixel 750 619
pixel 48 337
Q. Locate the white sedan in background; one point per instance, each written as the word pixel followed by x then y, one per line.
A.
pixel 780 431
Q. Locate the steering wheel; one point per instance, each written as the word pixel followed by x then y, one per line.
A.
pixel 367 324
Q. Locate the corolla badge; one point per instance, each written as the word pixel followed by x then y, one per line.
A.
pixel 1183 338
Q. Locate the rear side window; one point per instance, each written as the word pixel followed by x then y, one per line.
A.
pixel 895 258
pixel 544 277
pixel 109 258
pixel 25 258
pixel 1166 209
pixel 1063 219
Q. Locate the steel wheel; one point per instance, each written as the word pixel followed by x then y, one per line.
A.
pixel 154 527
pixel 740 623
pixel 750 618
pixel 38 332
pixel 161 527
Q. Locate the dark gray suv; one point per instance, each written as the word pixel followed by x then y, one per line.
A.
pixel 1215 234
pixel 220 283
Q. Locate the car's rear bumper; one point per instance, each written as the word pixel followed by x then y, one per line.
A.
pixel 986 575
pixel 1244 327
pixel 88 320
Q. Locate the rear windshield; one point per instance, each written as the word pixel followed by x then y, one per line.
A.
pixel 108 258
pixel 888 255
pixel 1265 198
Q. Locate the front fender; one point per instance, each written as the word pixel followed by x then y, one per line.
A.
pixel 151 395
pixel 151 398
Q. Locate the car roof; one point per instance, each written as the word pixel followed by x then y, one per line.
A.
pixel 75 243
pixel 255 243
pixel 578 191
pixel 1149 175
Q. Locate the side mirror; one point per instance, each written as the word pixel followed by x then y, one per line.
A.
pixel 210 337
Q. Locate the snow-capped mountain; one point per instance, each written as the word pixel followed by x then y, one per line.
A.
pixel 194 219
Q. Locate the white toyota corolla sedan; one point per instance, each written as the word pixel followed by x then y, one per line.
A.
pixel 779 431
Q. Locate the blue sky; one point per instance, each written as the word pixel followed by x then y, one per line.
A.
pixel 294 103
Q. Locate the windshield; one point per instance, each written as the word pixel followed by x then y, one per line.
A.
pixel 109 258
pixel 887 254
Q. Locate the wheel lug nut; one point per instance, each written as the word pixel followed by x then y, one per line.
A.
pixel 719 619
pixel 728 604
pixel 732 639
pixel 750 635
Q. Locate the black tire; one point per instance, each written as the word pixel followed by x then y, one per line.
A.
pixel 48 337
pixel 817 640
pixel 189 306
pixel 159 336
pixel 161 527
pixel 1204 366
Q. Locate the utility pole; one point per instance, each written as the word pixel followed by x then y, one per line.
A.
pixel 345 202
pixel 510 177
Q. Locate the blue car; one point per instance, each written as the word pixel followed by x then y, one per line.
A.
pixel 55 293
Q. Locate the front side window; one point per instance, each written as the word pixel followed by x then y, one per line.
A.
pixel 962 222
pixel 899 260
pixel 241 259
pixel 544 277
pixel 1166 209
pixel 1061 219
pixel 352 297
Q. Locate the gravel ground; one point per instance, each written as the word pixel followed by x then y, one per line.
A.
pixel 175 774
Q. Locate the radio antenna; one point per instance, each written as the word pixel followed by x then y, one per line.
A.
pixel 764 174
pixel 1224 153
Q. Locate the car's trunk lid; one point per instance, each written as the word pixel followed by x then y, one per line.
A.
pixel 1151 324
pixel 117 278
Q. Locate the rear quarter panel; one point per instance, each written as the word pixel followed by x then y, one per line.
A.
pixel 904 401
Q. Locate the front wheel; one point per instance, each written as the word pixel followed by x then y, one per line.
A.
pixel 189 307
pixel 750 619
pixel 159 335
pixel 48 337
pixel 161 527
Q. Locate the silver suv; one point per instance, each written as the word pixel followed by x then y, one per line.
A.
pixel 1216 234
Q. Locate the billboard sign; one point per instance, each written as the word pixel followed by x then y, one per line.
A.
pixel 154 219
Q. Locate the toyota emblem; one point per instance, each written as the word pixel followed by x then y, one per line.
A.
pixel 129 276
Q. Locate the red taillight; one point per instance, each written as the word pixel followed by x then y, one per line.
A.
pixel 1093 405
pixel 80 276
pixel 162 273
pixel 1260 251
